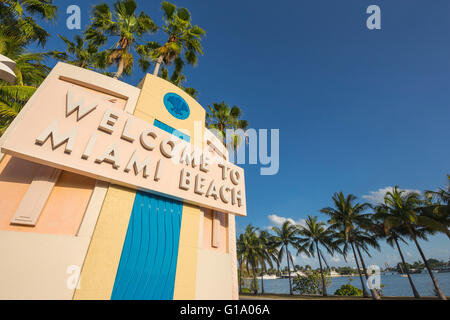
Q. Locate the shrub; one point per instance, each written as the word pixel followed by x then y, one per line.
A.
pixel 310 284
pixel 245 290
pixel 348 290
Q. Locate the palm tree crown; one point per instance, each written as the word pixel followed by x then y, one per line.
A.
pixel 183 39
pixel 124 24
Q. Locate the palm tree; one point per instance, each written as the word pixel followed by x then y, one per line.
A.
pixel 183 38
pixel 392 236
pixel 30 71
pixel 269 254
pixel 346 217
pixel 285 236
pixel 82 53
pixel 240 251
pixel 221 117
pixel 437 206
pixel 316 233
pixel 12 99
pixel 362 240
pixel 124 24
pixel 253 253
pixel 17 19
pixel 177 77
pixel 404 210
pixel 30 68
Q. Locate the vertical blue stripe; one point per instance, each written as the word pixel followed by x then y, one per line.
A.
pixel 148 262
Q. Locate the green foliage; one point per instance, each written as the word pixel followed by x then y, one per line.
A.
pixel 17 20
pixel 245 290
pixel 348 290
pixel 126 26
pixel 346 270
pixel 183 39
pixel 221 117
pixel 82 53
pixel 310 284
pixel 12 99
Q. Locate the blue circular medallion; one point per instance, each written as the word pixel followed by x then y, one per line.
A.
pixel 176 106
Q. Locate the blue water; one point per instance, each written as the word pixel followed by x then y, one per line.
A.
pixel 394 284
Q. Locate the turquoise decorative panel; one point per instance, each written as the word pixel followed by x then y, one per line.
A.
pixel 176 106
pixel 149 256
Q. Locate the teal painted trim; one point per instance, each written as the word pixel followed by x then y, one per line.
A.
pixel 171 130
pixel 148 262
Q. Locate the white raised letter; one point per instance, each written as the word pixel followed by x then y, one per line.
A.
pixel 80 107
pixel 108 121
pixel 56 139
pixel 138 166
pixel 111 156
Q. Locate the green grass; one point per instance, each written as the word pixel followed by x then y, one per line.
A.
pixel 271 296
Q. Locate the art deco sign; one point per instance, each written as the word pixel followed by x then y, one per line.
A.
pixel 72 129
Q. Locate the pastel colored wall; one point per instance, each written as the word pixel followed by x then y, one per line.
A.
pixel 64 209
pixel 222 231
pixel 102 259
pixel 84 222
pixel 186 276
pixel 214 275
pixel 38 266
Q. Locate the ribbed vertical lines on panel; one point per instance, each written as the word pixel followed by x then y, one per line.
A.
pixel 149 257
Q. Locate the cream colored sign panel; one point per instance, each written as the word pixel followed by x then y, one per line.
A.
pixel 70 128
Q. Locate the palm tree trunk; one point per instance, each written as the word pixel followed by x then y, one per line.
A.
pixel 374 293
pixel 262 283
pixel 240 277
pixel 324 288
pixel 289 271
pixel 119 69
pixel 365 294
pixel 158 65
pixel 416 294
pixel 255 287
pixel 435 283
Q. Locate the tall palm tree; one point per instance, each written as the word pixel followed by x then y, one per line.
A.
pixel 404 208
pixel 392 236
pixel 362 240
pixel 221 117
pixel 253 254
pixel 17 19
pixel 346 243
pixel 240 251
pixel 269 254
pixel 346 216
pixel 82 53
pixel 284 237
pixel 125 25
pixel 316 233
pixel 183 39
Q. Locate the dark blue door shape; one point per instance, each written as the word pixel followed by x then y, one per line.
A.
pixel 148 262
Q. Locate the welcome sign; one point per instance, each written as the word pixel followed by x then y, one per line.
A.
pixel 70 128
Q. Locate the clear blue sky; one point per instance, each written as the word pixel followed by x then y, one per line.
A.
pixel 358 110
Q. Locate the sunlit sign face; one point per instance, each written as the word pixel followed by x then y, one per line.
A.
pixel 70 128
pixel 176 106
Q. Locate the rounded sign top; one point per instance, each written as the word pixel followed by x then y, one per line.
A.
pixel 176 106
